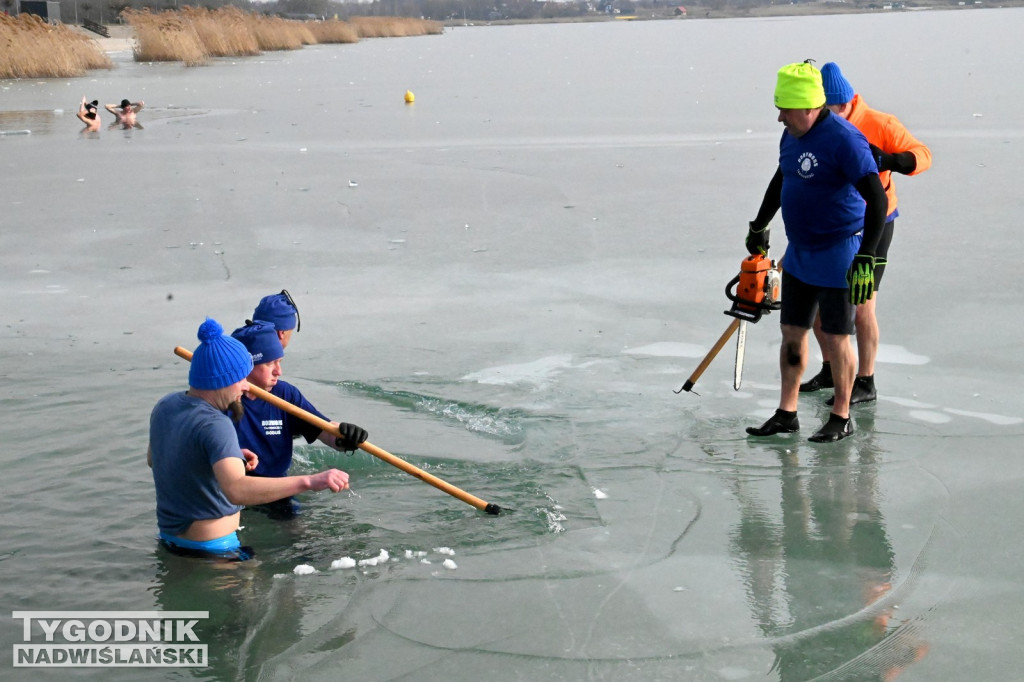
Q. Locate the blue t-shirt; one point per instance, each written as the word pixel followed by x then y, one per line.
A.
pixel 187 436
pixel 821 208
pixel 268 430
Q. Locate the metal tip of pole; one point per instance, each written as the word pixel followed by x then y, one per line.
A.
pixel 688 387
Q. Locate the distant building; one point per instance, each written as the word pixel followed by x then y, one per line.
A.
pixel 679 11
pixel 48 10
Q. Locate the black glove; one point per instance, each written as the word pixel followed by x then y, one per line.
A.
pixel 757 240
pixel 885 162
pixel 350 438
pixel 861 278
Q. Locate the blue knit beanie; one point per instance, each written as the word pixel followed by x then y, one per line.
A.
pixel 219 360
pixel 260 339
pixel 279 310
pixel 837 89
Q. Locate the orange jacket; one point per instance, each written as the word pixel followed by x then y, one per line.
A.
pixel 887 133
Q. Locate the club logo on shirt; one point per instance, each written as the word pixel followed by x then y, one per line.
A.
pixel 805 165
pixel 272 427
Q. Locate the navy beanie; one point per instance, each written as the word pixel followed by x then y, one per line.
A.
pixel 260 339
pixel 837 89
pixel 219 360
pixel 278 310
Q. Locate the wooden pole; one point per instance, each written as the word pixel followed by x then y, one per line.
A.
pixel 733 326
pixel 365 445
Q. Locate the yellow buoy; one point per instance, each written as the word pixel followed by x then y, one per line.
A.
pixel 409 97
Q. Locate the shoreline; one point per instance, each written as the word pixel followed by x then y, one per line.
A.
pixel 122 36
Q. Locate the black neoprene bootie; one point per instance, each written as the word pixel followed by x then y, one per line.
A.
pixel 780 422
pixel 836 428
pixel 822 379
pixel 863 391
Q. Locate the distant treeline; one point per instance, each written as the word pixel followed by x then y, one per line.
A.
pixel 481 11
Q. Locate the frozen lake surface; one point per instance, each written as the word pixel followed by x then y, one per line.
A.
pixel 504 283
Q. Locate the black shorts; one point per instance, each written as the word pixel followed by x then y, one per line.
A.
pixel 882 251
pixel 801 302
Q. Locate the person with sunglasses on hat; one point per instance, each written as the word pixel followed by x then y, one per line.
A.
pixel 199 468
pixel 88 115
pixel 266 429
pixel 281 311
pixel 895 151
pixel 833 209
pixel 125 111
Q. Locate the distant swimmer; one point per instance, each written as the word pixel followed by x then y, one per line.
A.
pixel 87 114
pixel 126 111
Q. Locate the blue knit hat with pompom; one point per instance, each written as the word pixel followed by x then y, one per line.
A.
pixel 219 360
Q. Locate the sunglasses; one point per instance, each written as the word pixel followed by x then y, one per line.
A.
pixel 288 297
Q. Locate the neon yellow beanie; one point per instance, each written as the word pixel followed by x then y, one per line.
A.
pixel 799 87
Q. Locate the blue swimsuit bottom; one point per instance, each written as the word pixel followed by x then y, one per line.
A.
pixel 227 547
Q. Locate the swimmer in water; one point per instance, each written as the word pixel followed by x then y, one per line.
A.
pixel 125 112
pixel 279 310
pixel 268 430
pixel 88 114
pixel 198 466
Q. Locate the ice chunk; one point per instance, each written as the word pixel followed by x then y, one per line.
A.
pixel 344 562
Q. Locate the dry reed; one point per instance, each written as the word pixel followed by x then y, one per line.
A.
pixel 333 31
pixel 226 32
pixel 192 36
pixel 165 37
pixel 40 50
pixel 275 33
pixel 394 27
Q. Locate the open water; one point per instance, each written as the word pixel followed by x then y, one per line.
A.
pixel 504 282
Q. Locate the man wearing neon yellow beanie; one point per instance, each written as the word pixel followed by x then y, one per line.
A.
pixel 833 208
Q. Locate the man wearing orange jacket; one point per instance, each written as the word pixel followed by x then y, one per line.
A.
pixel 895 151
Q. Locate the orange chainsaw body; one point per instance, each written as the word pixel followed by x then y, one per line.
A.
pixel 758 289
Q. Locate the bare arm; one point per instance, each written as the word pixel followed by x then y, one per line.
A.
pixel 249 490
pixel 137 107
pixel 149 456
pixel 81 111
pixel 112 108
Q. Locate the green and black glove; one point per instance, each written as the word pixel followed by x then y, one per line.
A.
pixel 757 240
pixel 861 278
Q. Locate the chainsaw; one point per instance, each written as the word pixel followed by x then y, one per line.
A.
pixel 754 292
pixel 758 292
